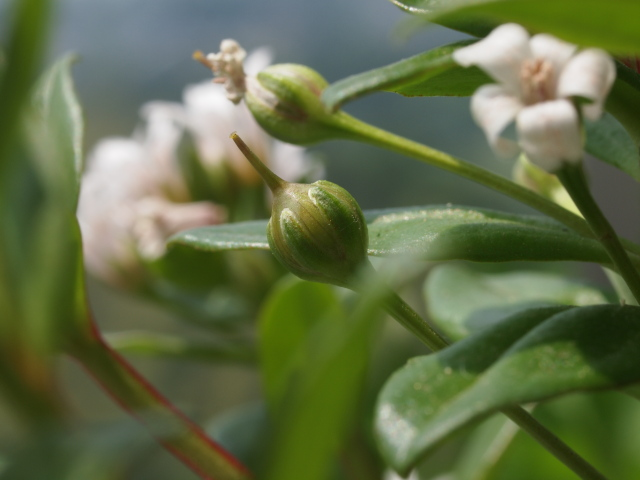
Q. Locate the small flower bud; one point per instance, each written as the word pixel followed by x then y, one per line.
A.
pixel 285 100
pixel 316 231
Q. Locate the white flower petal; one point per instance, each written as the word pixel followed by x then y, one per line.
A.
pixel 552 50
pixel 549 134
pixel 500 54
pixel 589 74
pixel 493 109
pixel 258 60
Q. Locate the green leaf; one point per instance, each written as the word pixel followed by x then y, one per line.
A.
pixel 529 357
pixel 329 357
pixel 152 344
pixel 462 300
pixel 291 312
pixel 609 25
pixel 610 142
pixel 432 233
pixel 244 431
pixel 624 100
pixel 428 73
pixel 55 133
pixel 25 45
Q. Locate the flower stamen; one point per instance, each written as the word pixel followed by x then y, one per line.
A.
pixel 536 76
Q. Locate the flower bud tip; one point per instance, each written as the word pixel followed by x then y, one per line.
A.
pixel 273 181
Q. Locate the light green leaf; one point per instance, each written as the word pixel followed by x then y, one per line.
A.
pixel 462 300
pixel 610 25
pixel 55 133
pixel 289 315
pixel 529 357
pixel 610 142
pixel 326 387
pixel 432 233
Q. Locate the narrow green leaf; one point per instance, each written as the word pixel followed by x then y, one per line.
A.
pixel 611 25
pixel 432 233
pixel 398 76
pixel 624 100
pixel 152 344
pixel 462 300
pixel 529 357
pixel 610 142
pixel 55 133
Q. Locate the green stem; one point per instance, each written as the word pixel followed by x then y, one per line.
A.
pixel 171 428
pixel 361 131
pixel 575 182
pixel 408 317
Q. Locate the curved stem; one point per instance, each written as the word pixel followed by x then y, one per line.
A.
pixel 170 427
pixel 574 181
pixel 408 317
pixel 368 133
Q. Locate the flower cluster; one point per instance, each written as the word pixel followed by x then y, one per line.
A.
pixel 545 85
pixel 135 195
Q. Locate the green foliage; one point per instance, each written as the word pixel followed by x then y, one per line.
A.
pixel 432 233
pixel 610 25
pixel 315 356
pixel 463 301
pixel 557 350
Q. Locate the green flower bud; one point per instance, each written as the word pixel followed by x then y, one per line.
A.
pixel 285 101
pixel 316 231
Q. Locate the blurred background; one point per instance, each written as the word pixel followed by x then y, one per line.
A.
pixel 135 51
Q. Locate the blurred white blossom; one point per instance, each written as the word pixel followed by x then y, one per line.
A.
pixel 545 85
pixel 133 198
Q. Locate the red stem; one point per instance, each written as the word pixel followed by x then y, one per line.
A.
pixel 173 430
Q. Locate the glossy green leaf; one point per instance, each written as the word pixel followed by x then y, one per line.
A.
pixel 430 73
pixel 529 357
pixel 432 233
pixel 611 25
pixel 610 142
pixel 462 300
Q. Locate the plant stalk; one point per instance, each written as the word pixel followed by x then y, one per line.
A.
pixel 166 423
pixel 574 181
pixel 361 131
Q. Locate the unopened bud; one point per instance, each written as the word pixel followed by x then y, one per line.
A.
pixel 285 100
pixel 316 231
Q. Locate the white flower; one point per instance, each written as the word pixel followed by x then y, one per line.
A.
pixel 545 85
pixel 133 198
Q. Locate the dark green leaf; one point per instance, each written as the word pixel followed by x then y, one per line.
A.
pixel 624 100
pixel 610 142
pixel 529 357
pixel 610 25
pixel 432 233
pixel 244 431
pixel 462 300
